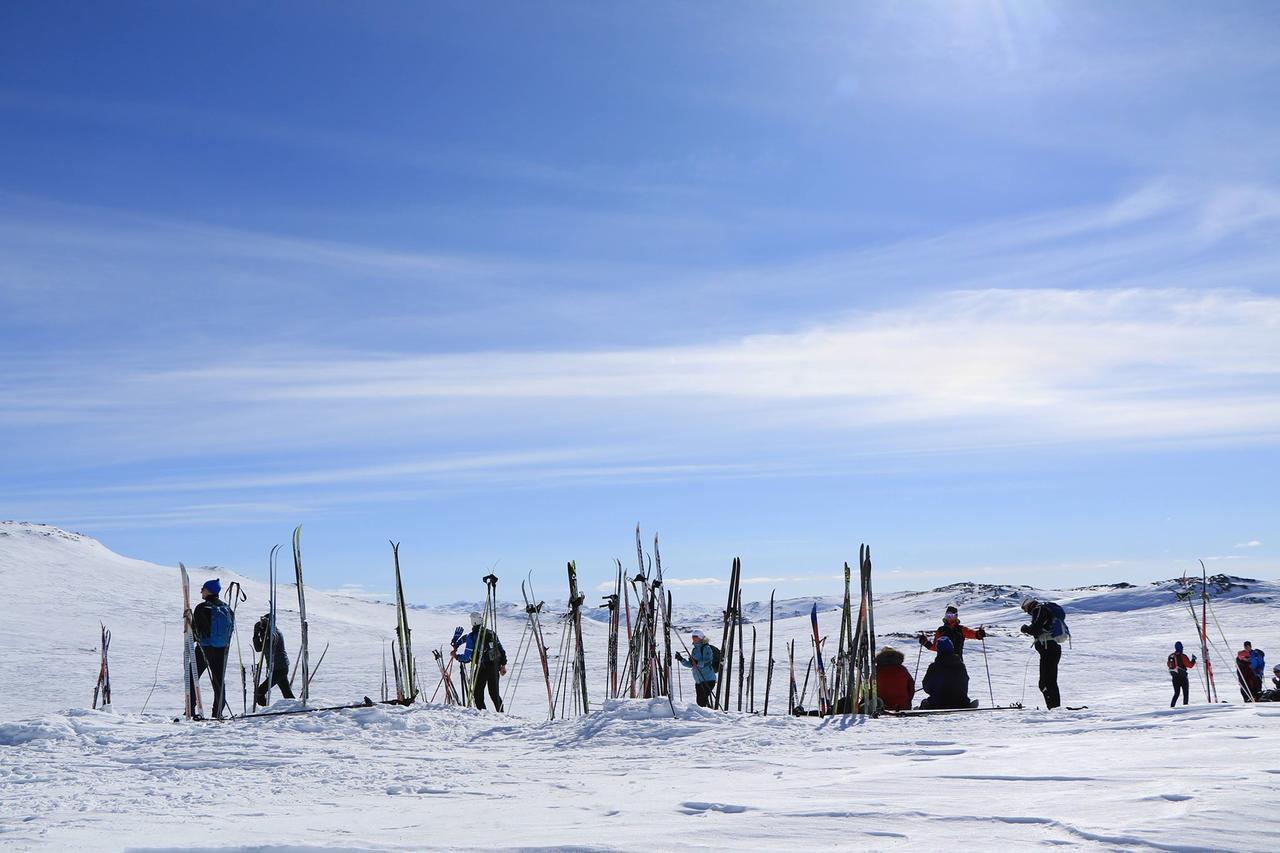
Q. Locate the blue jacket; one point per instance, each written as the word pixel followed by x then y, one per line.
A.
pixel 700 661
pixel 493 652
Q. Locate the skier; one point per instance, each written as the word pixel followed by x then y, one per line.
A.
pixel 946 680
pixel 952 630
pixel 1250 681
pixel 703 660
pixel 894 684
pixel 1041 629
pixel 277 668
pixel 490 661
pixel 1257 660
pixel 1178 664
pixel 211 624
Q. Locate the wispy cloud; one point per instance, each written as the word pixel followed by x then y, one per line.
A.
pixel 1252 543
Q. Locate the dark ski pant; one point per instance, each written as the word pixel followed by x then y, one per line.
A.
pixel 1050 654
pixel 487 676
pixel 1181 684
pixel 214 660
pixel 280 679
pixel 705 689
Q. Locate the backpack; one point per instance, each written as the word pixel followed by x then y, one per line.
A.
pixel 221 624
pixel 1058 630
pixel 716 659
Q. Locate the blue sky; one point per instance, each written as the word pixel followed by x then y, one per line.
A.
pixel 992 286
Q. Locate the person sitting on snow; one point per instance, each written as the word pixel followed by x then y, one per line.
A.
pixel 946 681
pixel 894 684
pixel 953 631
pixel 1250 682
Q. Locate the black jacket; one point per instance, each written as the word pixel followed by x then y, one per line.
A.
pixel 1041 624
pixel 947 683
pixel 280 655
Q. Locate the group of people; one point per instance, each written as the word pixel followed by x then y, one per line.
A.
pixel 212 626
pixel 1251 668
pixel 946 681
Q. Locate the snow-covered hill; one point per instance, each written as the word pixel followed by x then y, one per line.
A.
pixel 1126 774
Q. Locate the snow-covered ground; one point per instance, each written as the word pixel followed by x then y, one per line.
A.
pixel 1128 773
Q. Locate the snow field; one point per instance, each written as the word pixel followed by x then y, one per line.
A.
pixel 1126 774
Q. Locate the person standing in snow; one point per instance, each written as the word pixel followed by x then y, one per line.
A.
pixel 1246 673
pixel 484 651
pixel 1041 630
pixel 703 660
pixel 894 684
pixel 1257 660
pixel 212 623
pixel 275 662
pixel 946 680
pixel 1178 665
pixel 953 631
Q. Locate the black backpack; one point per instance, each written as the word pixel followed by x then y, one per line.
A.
pixel 716 659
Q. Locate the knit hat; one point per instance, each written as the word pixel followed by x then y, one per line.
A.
pixel 944 645
pixel 476 618
pixel 699 635
pixel 952 612
pixel 212 586
pixel 1177 647
pixel 1028 603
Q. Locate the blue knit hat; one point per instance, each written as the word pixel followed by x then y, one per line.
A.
pixel 1177 647
pixel 944 645
pixel 213 586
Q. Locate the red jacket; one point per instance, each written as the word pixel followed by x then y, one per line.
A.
pixel 1179 662
pixel 895 687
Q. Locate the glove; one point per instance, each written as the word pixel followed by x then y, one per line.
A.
pixel 924 640
pixel 1193 658
pixel 1026 629
pixel 679 657
pixel 503 669
pixel 981 633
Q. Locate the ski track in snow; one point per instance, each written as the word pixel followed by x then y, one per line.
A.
pixel 1127 774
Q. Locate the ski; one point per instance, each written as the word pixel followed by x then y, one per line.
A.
pixel 823 698
pixel 575 625
pixel 768 674
pixel 302 614
pixel 103 688
pixel 534 613
pixel 405 663
pixel 194 707
pixel 933 712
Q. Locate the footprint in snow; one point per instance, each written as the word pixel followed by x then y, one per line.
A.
pixel 703 808
pixel 1173 798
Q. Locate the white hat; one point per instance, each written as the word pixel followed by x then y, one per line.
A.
pixel 476 618
pixel 698 633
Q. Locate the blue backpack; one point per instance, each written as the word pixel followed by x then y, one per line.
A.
pixel 1058 630
pixel 221 624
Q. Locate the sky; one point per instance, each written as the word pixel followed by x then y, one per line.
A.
pixel 993 287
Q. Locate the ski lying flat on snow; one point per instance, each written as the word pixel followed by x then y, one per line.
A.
pixel 927 712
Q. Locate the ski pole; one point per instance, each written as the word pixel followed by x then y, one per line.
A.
pixel 990 692
pixel 1025 670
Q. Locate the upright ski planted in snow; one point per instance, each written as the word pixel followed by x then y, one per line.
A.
pixel 302 615
pixel 191 683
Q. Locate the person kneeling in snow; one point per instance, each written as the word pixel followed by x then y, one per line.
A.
pixel 894 685
pixel 946 681
pixel 704 660
pixel 484 647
